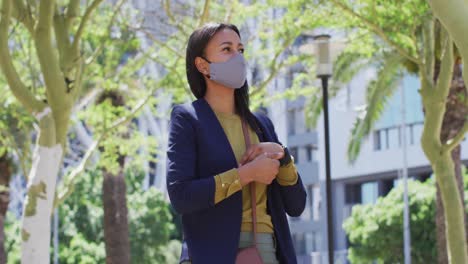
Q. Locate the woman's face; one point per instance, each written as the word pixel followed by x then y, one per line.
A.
pixel 224 44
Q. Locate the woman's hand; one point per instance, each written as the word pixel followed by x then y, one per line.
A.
pixel 274 150
pixel 263 169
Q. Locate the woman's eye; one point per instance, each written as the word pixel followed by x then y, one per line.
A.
pixel 241 51
pixel 227 49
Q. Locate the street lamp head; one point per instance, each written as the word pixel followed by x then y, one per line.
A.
pixel 324 62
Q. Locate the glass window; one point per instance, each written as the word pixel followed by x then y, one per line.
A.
pixel 377 144
pixel 291 122
pixel 384 139
pixel 309 152
pixel 369 192
pixel 352 194
pixel 393 138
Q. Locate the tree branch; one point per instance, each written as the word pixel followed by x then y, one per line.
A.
pixel 429 50
pixel 455 141
pixel 62 38
pixel 452 15
pixel 275 68
pixel 205 14
pixel 72 13
pixel 96 52
pixel 167 8
pixel 21 14
pixel 83 23
pixel 163 44
pixel 68 185
pixel 20 91
pixel 446 68
pixel 377 30
pixel 228 17
pixel 48 59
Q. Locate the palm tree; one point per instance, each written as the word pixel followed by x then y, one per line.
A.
pixel 390 68
pixel 114 199
pixel 5 175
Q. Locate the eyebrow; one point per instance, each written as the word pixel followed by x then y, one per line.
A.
pixel 230 43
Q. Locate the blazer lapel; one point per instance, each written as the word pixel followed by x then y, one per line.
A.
pixel 208 118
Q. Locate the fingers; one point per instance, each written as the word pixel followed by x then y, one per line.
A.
pixel 246 154
pixel 250 154
pixel 275 155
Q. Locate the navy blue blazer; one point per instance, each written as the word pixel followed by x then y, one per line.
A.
pixel 198 150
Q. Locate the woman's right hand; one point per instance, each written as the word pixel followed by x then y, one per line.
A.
pixel 263 169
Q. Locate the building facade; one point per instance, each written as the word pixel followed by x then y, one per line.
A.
pixel 375 172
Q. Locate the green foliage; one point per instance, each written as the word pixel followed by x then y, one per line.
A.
pixel 15 125
pixel 12 230
pixel 380 34
pixel 375 231
pixel 150 226
pixel 150 221
pixel 81 234
pixel 378 92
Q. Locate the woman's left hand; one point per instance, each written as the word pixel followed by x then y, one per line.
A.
pixel 264 147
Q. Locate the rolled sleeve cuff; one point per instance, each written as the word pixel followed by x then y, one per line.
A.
pixel 227 183
pixel 287 175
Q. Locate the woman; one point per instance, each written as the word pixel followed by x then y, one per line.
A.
pixel 210 170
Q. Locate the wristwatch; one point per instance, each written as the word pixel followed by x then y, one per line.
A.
pixel 286 159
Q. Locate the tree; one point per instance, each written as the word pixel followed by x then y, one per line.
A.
pixel 375 231
pixel 49 96
pixel 397 28
pixel 14 146
pixel 5 174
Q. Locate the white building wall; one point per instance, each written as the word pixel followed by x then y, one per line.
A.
pixel 342 117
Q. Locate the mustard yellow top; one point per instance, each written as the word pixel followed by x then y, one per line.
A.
pixel 228 182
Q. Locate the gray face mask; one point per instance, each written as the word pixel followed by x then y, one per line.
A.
pixel 231 73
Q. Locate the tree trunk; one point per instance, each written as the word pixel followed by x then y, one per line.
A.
pixel 116 234
pixel 453 122
pixel 5 175
pixel 39 201
pixel 440 219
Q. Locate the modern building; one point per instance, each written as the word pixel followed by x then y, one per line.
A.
pixel 375 172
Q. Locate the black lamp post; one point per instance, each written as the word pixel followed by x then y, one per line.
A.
pixel 324 72
pixel 321 48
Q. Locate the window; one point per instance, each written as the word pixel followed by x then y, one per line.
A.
pixel 411 134
pixel 353 194
pixel 393 137
pixel 369 192
pixel 386 186
pixel 381 139
pixel 292 122
pixel 309 152
pixel 377 144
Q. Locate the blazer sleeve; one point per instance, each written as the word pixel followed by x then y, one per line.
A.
pixel 294 196
pixel 187 192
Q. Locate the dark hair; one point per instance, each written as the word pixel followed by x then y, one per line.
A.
pixel 196 48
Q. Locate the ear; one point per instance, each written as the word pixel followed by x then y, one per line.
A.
pixel 202 66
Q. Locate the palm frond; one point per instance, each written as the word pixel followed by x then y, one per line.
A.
pixel 379 91
pixel 346 67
